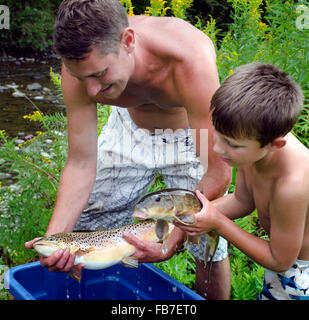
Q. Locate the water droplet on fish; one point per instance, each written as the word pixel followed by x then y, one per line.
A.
pixel 174 289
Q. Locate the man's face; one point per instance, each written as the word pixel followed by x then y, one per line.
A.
pixel 104 76
pixel 238 152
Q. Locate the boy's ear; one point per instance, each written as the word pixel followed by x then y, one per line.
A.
pixel 128 39
pixel 278 143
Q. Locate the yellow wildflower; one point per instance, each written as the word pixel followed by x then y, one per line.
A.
pixel 35 116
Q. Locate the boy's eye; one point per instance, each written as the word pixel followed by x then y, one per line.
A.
pixel 231 144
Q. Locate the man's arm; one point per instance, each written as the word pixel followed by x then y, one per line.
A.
pixel 78 175
pixel 197 81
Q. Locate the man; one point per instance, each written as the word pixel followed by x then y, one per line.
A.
pixel 161 74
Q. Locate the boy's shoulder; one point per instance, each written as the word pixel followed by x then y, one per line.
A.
pixel 295 172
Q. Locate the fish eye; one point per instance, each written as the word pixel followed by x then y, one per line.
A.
pixel 158 198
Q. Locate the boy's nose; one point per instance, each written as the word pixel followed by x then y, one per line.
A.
pixel 218 147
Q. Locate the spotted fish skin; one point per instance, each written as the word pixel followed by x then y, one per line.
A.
pixel 98 249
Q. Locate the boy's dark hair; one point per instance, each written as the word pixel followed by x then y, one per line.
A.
pixel 83 24
pixel 257 101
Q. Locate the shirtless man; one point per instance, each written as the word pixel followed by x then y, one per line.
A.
pixel 161 74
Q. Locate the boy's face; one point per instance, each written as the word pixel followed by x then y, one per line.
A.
pixel 238 152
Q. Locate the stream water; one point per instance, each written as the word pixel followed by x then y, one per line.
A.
pixel 15 75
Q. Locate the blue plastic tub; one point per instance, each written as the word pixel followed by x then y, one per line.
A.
pixel 32 282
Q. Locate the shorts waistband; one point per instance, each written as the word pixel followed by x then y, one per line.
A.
pixel 302 261
pixel 167 134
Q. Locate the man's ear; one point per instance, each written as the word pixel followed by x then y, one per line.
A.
pixel 128 39
pixel 278 143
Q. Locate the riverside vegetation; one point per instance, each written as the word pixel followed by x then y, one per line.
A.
pixel 263 31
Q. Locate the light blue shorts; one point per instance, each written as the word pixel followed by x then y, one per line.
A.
pixel 129 158
pixel 292 284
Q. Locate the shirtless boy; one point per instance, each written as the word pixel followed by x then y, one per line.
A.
pixel 253 112
pixel 161 74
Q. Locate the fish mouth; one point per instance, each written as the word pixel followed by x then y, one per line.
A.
pixel 140 215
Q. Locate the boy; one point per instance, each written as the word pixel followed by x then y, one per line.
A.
pixel 253 112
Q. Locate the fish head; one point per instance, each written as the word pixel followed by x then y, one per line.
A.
pixel 48 245
pixel 156 205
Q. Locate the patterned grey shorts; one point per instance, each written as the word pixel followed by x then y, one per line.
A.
pixel 128 160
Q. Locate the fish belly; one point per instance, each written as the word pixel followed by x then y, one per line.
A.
pixel 104 259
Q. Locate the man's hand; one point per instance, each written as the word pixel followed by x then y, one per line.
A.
pixel 59 261
pixel 148 251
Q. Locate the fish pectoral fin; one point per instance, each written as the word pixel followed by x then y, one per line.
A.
pixel 185 217
pixel 76 273
pixel 81 252
pixel 162 229
pixel 193 240
pixel 130 262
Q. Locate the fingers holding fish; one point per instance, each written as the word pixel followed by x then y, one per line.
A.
pixel 203 200
pixel 59 261
pixel 191 230
pixel 146 251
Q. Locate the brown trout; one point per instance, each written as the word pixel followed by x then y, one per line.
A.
pixel 169 204
pixel 99 249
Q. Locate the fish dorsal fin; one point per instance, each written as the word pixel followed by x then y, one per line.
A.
pixel 168 190
pixel 100 228
pixel 130 262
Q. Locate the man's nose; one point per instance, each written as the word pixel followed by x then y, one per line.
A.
pixel 94 86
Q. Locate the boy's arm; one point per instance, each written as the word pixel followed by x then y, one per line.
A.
pixel 237 204
pixel 287 220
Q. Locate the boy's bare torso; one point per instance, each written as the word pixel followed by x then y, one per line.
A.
pixel 292 166
pixel 156 102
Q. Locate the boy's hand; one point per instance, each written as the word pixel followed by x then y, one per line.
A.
pixel 205 220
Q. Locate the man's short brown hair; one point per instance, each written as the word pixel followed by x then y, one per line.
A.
pixel 257 101
pixel 82 25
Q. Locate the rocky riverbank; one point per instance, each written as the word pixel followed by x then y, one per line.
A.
pixel 25 86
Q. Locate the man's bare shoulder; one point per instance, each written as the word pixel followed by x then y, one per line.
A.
pixel 173 35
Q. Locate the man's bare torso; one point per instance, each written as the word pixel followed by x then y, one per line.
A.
pixel 156 102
